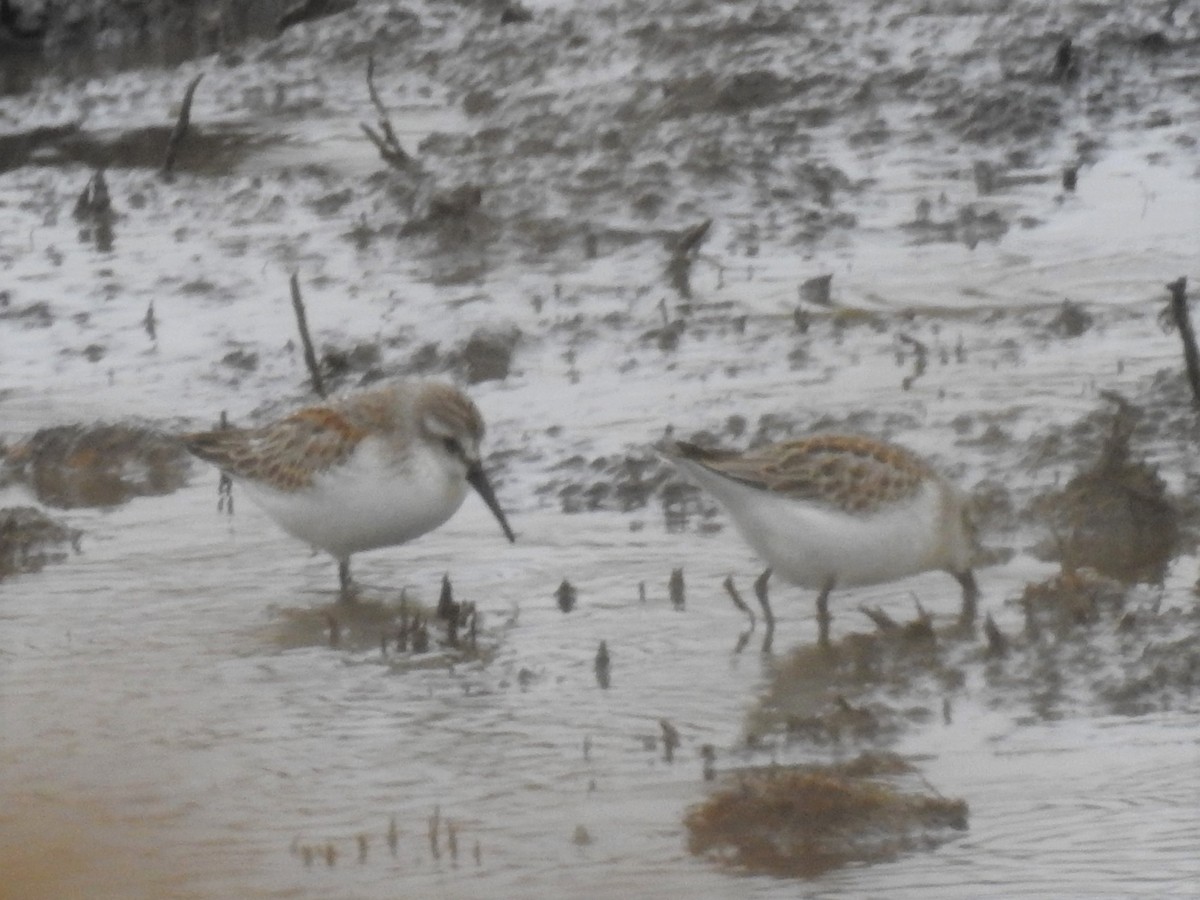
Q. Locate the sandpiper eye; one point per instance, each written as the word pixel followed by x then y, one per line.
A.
pixel 453 447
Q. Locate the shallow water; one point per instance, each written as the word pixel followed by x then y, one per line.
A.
pixel 161 736
pixel 156 737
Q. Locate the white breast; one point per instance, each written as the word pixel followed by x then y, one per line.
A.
pixel 368 502
pixel 808 544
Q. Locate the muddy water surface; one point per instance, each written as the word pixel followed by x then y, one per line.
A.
pixel 158 740
pixel 162 730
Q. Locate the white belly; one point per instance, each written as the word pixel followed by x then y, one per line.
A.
pixel 367 503
pixel 809 545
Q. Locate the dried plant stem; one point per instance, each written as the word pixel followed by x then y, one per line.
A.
pixel 310 356
pixel 1183 321
pixel 181 126
pixel 384 139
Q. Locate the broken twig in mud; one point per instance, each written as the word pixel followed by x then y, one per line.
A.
pixel 603 665
pixel 403 631
pixel 1066 65
pixel 691 238
pixel 310 355
pixel 684 252
pixel 94 201
pixel 150 323
pixel 801 319
pixel 882 620
pixel 447 609
pixel 922 359
pixel 435 822
pixel 515 14
pixel 93 210
pixel 1032 628
pixel 420 635
pixel 997 642
pixel 817 290
pixel 670 737
pixel 393 836
pixel 566 596
pixel 310 10
pixel 1183 321
pixel 384 139
pixel 471 620
pixel 181 126
pixel 922 625
pixel 676 590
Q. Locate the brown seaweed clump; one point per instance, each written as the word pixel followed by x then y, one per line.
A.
pixel 1116 517
pixel 69 466
pixel 1129 657
pixel 29 539
pixel 1070 599
pixel 802 821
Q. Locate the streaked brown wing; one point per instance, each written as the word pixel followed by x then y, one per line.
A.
pixel 285 455
pixel 854 474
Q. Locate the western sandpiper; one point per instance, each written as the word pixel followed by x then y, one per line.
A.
pixel 841 511
pixel 375 469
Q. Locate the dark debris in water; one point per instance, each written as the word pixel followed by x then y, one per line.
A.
pixel 210 150
pixel 625 482
pixel 487 355
pixel 1116 515
pixel 1088 644
pixel 559 165
pixel 70 466
pixel 406 634
pixel 1072 320
pixel 846 695
pixel 803 821
pixel 29 539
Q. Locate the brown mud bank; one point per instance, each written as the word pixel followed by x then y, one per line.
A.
pixel 78 39
pixel 783 126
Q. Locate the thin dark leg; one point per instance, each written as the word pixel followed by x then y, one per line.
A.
pixel 344 581
pixel 823 614
pixel 760 591
pixel 970 595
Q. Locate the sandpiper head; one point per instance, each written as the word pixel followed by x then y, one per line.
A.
pixel 453 427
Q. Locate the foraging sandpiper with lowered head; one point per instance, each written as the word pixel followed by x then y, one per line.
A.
pixel 839 511
pixel 374 469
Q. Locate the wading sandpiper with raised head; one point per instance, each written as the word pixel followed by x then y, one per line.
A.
pixel 374 469
pixel 839 511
